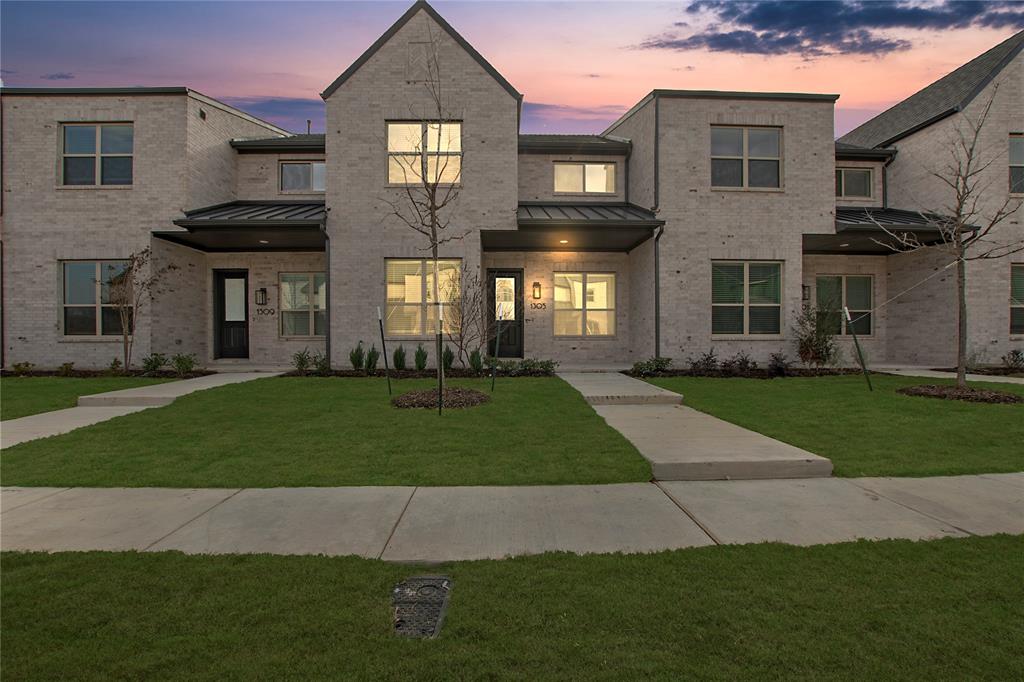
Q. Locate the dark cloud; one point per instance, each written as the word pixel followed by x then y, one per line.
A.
pixel 814 28
pixel 59 76
pixel 592 75
pixel 289 113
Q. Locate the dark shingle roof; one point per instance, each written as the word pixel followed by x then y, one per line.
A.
pixel 549 213
pixel 291 143
pixel 255 213
pixel 571 144
pixel 945 96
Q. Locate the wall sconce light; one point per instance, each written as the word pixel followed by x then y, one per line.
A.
pixel 536 289
pixel 261 296
pixel 806 292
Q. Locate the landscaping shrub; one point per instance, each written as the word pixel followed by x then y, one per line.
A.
pixel 1014 360
pixel 371 359
pixel 183 363
pixel 530 367
pixel 301 360
pixel 476 361
pixel 321 364
pixel 398 358
pixel 779 364
pixel 815 342
pixel 738 365
pixel 447 358
pixel 66 369
pixel 421 357
pixel 357 356
pixel 651 366
pixel 154 362
pixel 115 366
pixel 704 364
pixel 22 368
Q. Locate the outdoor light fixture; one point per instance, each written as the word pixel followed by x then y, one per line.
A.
pixel 807 293
pixel 264 241
pixel 261 296
pixel 536 289
pixel 843 246
pixel 563 241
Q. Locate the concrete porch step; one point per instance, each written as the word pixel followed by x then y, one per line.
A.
pixel 614 388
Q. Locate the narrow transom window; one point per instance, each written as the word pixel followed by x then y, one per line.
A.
pixel 97 154
pixel 303 176
pixel 1017 298
pixel 853 183
pixel 1017 163
pixel 303 308
pixel 584 304
pixel 585 178
pixel 418 150
pixel 855 292
pixel 90 303
pixel 746 298
pixel 749 158
pixel 409 297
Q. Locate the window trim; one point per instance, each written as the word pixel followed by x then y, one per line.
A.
pixel 1011 166
pixel 747 305
pixel 1015 335
pixel 584 192
pixel 280 176
pixel 98 305
pixel 844 328
pixel 425 305
pixel 310 308
pixel 583 319
pixel 424 153
pixel 871 183
pixel 746 159
pixel 97 155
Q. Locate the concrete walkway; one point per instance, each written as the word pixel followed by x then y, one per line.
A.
pixel 100 407
pixel 932 374
pixel 442 524
pixel 615 388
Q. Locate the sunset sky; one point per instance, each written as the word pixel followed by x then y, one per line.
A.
pixel 579 64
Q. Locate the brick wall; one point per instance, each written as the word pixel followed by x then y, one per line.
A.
pixel 259 176
pixel 537 178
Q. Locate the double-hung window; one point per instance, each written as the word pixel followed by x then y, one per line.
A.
pixel 1017 163
pixel 746 297
pixel 92 291
pixel 409 299
pixel 418 150
pixel 303 308
pixel 1017 298
pixel 853 183
pixel 303 176
pixel 746 158
pixel 584 304
pixel 97 154
pixel 834 292
pixel 584 178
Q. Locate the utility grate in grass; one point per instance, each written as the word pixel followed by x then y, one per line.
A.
pixel 420 604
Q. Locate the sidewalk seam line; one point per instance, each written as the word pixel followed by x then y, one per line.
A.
pixel 670 496
pixel 194 518
pixel 38 499
pixel 907 506
pixel 394 528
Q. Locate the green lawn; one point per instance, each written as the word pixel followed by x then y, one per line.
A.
pixel 947 609
pixel 328 432
pixel 869 434
pixel 22 396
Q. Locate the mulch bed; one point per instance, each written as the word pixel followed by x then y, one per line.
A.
pixel 453 373
pixel 106 373
pixel 453 398
pixel 752 374
pixel 973 395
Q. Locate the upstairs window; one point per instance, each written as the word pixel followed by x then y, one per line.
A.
pixel 419 150
pixel 89 300
pixel 746 158
pixel 97 154
pixel 585 178
pixel 303 176
pixel 1017 163
pixel 746 298
pixel 833 292
pixel 853 183
pixel 409 304
pixel 1017 299
pixel 584 304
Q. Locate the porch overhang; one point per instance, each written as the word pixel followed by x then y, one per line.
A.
pixel 574 227
pixel 252 226
pixel 874 231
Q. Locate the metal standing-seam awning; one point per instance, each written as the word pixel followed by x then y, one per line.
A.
pixel 252 226
pixel 870 230
pixel 551 226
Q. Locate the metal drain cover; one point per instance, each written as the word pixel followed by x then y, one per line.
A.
pixel 419 605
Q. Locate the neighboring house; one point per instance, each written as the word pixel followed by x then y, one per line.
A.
pixel 698 220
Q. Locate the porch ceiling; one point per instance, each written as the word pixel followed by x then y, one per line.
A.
pixel 574 227
pixel 252 226
pixel 869 231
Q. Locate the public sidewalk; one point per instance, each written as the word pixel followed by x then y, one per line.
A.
pixel 455 523
pixel 933 374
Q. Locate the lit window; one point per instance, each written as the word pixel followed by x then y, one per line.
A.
pixel 746 298
pixel 584 304
pixel 303 304
pixel 1017 163
pixel 585 178
pixel 97 154
pixel 853 183
pixel 409 299
pixel 430 150
pixel 91 293
pixel 303 176
pixel 746 157
pixel 1017 298
pixel 833 292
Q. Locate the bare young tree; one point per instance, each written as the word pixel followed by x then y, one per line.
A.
pixel 468 325
pixel 129 289
pixel 967 221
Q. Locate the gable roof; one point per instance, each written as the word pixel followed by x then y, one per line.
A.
pixel 944 97
pixel 397 26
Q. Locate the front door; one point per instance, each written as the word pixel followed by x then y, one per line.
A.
pixel 231 313
pixel 505 310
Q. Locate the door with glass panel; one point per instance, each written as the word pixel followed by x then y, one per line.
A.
pixel 505 310
pixel 231 313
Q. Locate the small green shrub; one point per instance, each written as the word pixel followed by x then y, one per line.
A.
pixel 115 366
pixel 398 358
pixel 322 364
pixel 530 367
pixel 154 362
pixel 1014 360
pixel 421 357
pixel 372 356
pixel 357 356
pixel 738 365
pixel 66 369
pixel 779 364
pixel 704 364
pixel 476 361
pixel 651 366
pixel 815 341
pixel 184 363
pixel 447 357
pixel 301 360
pixel 22 368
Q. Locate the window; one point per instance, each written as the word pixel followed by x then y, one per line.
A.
pixel 1017 163
pixel 410 309
pixel 303 304
pixel 97 154
pixel 303 176
pixel 90 296
pixel 584 304
pixel 585 178
pixel 853 291
pixel 746 157
pixel 746 298
pixel 853 183
pixel 408 163
pixel 1017 298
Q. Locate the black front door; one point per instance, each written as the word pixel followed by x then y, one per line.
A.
pixel 505 310
pixel 231 313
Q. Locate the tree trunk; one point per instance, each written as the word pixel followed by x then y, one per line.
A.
pixel 961 322
pixel 437 328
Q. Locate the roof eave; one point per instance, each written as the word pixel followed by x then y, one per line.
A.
pixel 243 223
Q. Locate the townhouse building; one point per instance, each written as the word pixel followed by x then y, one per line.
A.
pixel 698 220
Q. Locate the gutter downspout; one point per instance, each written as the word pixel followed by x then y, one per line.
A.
pixel 327 278
pixel 657 292
pixel 885 181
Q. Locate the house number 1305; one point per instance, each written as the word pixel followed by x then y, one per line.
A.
pixel 538 306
